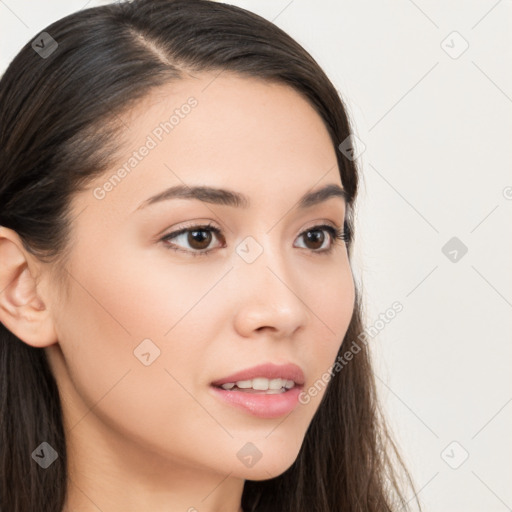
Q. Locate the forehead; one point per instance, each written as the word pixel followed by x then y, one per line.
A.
pixel 261 138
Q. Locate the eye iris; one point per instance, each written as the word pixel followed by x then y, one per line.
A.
pixel 318 236
pixel 200 236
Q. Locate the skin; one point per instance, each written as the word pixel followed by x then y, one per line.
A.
pixel 154 437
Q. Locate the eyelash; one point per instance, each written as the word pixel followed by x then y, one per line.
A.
pixel 337 236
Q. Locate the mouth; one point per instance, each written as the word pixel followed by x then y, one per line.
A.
pixel 265 391
pixel 259 385
pixel 263 404
pixel 264 377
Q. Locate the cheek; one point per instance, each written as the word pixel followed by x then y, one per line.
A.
pixel 331 308
pixel 132 315
pixel 330 297
pixel 144 295
pixel 106 322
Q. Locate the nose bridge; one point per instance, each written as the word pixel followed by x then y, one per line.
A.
pixel 268 295
pixel 263 258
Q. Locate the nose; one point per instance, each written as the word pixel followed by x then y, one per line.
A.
pixel 268 294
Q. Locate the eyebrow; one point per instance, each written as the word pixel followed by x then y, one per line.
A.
pixel 226 197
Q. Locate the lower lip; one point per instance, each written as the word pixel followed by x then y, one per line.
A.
pixel 261 404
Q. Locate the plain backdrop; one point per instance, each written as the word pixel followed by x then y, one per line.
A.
pixel 428 86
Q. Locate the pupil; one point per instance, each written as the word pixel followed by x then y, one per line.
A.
pixel 196 237
pixel 319 237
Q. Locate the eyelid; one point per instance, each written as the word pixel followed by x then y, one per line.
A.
pixel 319 223
pixel 198 226
pixel 208 224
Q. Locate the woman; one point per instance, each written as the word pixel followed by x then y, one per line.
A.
pixel 138 378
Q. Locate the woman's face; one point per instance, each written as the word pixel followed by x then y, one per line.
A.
pixel 146 329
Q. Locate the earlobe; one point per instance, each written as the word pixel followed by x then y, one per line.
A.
pixel 22 309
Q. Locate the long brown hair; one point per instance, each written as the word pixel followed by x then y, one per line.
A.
pixel 59 123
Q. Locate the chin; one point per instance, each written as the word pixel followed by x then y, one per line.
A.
pixel 267 468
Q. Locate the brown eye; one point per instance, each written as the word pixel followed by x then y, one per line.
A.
pixel 318 242
pixel 199 239
pixel 316 238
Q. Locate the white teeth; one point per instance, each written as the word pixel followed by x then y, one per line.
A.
pixel 260 384
pixel 276 383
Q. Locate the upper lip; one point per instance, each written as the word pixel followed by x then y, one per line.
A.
pixel 268 370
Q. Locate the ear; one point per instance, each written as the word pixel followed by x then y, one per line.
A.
pixel 22 309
